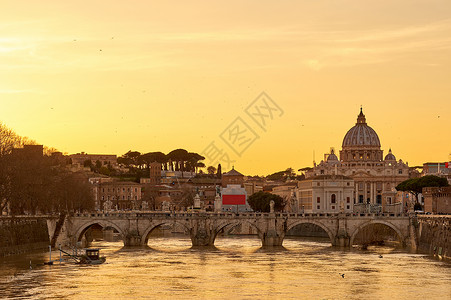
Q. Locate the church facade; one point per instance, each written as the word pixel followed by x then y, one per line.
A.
pixel 374 177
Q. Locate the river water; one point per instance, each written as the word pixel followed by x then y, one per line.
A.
pixel 236 268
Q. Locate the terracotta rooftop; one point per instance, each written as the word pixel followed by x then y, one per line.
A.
pixel 232 172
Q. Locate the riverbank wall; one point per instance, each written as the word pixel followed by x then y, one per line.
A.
pixel 21 234
pixel 434 235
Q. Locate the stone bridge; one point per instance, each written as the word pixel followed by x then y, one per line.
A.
pixel 203 227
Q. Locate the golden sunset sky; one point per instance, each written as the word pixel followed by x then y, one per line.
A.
pixel 112 76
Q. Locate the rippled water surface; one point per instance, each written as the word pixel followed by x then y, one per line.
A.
pixel 236 268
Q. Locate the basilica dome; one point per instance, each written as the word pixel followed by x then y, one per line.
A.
pixel 361 135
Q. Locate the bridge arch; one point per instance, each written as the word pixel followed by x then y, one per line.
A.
pixel 155 225
pixel 233 224
pixel 319 224
pixel 401 237
pixel 103 223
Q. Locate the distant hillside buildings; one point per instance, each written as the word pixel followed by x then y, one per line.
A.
pixel 104 159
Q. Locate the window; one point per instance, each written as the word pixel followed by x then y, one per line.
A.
pixel 123 197
pixel 332 198
pixel 322 171
pixel 128 190
pixel 103 190
pixel 128 197
pixel 347 183
pixel 318 184
pixel 333 206
pixel 136 190
pixel 388 200
pixel 360 186
pixel 399 171
pixel 348 207
pixel 360 198
pixel 379 199
pixel 348 200
pixel 318 200
pixel 123 189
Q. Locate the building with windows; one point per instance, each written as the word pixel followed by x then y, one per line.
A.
pixel 325 193
pixel 124 195
pixel 441 169
pixel 232 177
pixel 155 173
pixel 361 159
pixel 437 200
pixel 104 159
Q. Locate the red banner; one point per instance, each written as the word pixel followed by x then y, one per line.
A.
pixel 233 199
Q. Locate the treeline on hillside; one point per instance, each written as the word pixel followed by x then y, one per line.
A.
pixel 138 164
pixel 288 174
pixel 178 160
pixel 31 184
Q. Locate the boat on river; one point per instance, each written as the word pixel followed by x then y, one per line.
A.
pixel 92 257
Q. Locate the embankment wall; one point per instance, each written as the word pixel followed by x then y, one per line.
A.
pixel 434 235
pixel 22 234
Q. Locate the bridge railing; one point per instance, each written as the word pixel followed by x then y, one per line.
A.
pixel 168 214
pixel 8 217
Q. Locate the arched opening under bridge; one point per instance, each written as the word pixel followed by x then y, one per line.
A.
pixel 308 232
pixel 94 233
pixel 241 236
pixel 167 236
pixel 377 234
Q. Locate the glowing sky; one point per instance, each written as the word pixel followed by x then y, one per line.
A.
pixel 110 76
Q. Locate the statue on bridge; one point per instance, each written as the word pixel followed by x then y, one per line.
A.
pixel 107 205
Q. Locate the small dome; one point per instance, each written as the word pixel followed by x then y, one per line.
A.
pixel 361 134
pixel 332 157
pixel 390 156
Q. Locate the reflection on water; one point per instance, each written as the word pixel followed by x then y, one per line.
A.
pixel 235 268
